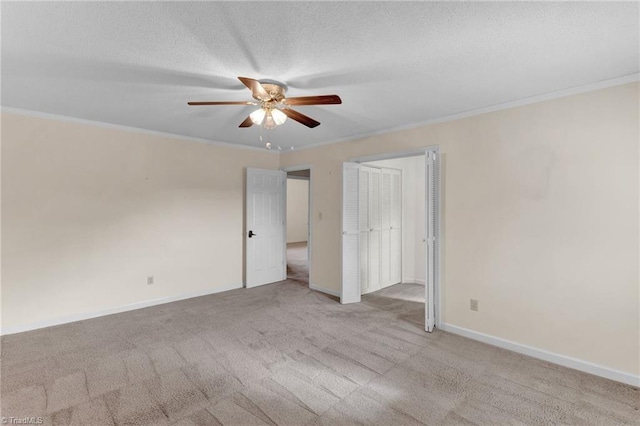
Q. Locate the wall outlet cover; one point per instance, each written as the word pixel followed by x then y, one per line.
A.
pixel 473 305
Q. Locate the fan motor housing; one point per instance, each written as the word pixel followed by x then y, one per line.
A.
pixel 275 89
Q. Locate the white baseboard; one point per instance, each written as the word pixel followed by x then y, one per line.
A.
pixel 115 310
pixel 566 361
pixel 413 281
pixel 335 293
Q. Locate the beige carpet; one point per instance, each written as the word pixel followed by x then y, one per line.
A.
pixel 285 355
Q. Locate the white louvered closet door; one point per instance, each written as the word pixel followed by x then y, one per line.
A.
pixel 350 234
pixel 385 228
pixel 431 227
pixel 374 229
pixel 395 233
pixel 363 204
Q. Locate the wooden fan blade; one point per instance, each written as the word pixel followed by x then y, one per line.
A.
pixel 247 122
pixel 313 100
pixel 223 103
pixel 256 88
pixel 300 118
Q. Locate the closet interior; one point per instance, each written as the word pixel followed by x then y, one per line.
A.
pixel 380 221
pixel 391 223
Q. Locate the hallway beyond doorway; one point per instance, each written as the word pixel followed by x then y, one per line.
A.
pixel 298 262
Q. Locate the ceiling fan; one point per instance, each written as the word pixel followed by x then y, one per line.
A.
pixel 274 106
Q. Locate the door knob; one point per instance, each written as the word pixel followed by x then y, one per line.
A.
pixel 251 234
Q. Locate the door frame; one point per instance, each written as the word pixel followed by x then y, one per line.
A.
pixel 438 189
pixel 296 168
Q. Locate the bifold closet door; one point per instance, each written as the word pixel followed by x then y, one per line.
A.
pixel 375 176
pixel 350 234
pixel 363 202
pixel 432 186
pixel 385 229
pixel 391 234
pixel 380 221
pixel 395 231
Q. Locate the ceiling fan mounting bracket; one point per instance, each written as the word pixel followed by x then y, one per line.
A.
pixel 275 89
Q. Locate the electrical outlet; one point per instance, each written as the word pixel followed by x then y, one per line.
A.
pixel 473 305
pixel 150 280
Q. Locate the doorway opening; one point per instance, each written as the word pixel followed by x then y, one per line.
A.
pixel 298 224
pixel 392 222
pixel 391 231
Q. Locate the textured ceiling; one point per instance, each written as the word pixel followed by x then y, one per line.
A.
pixel 394 64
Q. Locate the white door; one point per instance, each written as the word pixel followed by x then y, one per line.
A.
pixel 396 227
pixel 385 229
pixel 431 239
pixel 374 229
pixel 363 226
pixel 350 234
pixel 265 227
pixel 390 230
pixel 380 228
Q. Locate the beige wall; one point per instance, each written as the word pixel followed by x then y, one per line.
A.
pixel 413 218
pixel 539 218
pixel 297 210
pixel 89 213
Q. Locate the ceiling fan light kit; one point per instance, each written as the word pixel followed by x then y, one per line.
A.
pixel 257 116
pixel 278 116
pixel 275 107
pixel 269 116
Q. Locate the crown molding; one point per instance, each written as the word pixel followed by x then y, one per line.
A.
pixel 591 87
pixel 68 119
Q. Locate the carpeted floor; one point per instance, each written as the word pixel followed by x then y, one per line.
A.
pixel 298 262
pixel 282 354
